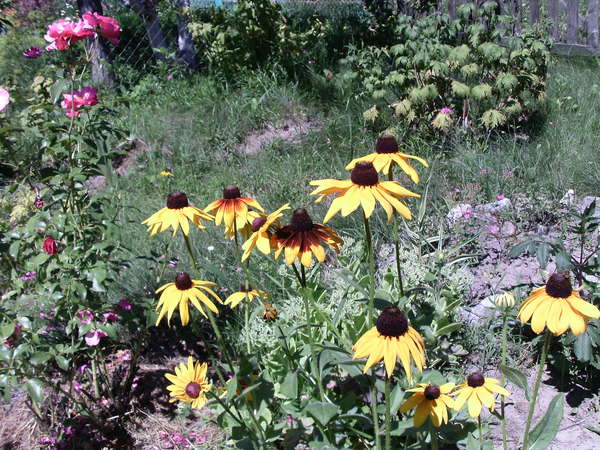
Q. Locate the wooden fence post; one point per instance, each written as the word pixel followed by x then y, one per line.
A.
pixel 572 21
pixel 553 16
pixel 534 11
pixel 593 35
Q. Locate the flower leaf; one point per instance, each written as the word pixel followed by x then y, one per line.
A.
pixel 516 377
pixel 545 431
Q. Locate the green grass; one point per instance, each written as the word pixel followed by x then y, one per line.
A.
pixel 195 128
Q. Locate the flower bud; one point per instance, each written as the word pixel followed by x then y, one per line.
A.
pixel 505 301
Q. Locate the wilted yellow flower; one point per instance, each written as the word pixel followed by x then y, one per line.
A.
pixel 245 293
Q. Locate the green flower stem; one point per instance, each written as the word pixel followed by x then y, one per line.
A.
pixel 397 242
pixel 434 440
pixel 303 274
pixel 371 257
pixel 95 377
pixel 480 432
pixel 238 255
pixel 209 313
pixel 502 378
pixel 388 414
pixel 246 324
pixel 375 415
pixel 298 276
pixel 536 387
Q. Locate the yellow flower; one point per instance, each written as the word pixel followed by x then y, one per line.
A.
pixel 166 173
pixel 478 391
pixel 431 401
pixel 391 338
pixel 190 384
pixel 180 293
pixel 245 292
pixel 263 227
pixel 232 209
pixel 302 238
pixel 270 313
pixel 558 307
pixel 175 215
pixel 387 156
pixel 363 189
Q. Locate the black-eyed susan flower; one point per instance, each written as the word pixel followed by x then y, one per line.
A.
pixel 558 307
pixel 233 210
pixel 478 391
pixel 177 214
pixel 390 339
pixel 387 156
pixel 263 228
pixel 180 293
pixel 303 238
pixel 190 384
pixel 363 189
pixel 270 313
pixel 431 401
pixel 245 293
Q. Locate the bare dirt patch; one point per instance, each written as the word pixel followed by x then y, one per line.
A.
pixel 291 130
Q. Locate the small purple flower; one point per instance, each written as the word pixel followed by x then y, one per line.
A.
pixel 468 213
pixel 447 111
pixel 81 369
pixel 124 304
pixel 147 290
pixel 93 337
pixel 178 438
pixel 32 52
pixel 38 202
pixel 170 77
pixel 29 276
pixel 311 62
pixel 551 124
pixel 110 317
pixel 173 262
pixel 494 229
pixel 85 316
pixel 507 173
pixel 77 386
pixel 500 197
pixel 484 172
pixel 69 430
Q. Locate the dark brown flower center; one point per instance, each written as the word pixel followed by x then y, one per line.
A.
pixel 183 281
pixel 245 287
pixel 386 144
pixel 392 322
pixel 431 392
pixel 475 380
pixel 364 174
pixel 301 221
pixel 177 200
pixel 559 286
pixel 231 192
pixel 257 223
pixel 193 389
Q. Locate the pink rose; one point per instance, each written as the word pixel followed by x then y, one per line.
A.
pixel 64 32
pixel 76 99
pixel 4 99
pixel 93 337
pixel 109 27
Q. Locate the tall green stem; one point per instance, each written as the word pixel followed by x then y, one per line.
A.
pixel 374 414
pixel 238 256
pixel 536 387
pixel 480 432
pixel 433 436
pixel 397 243
pixel 388 414
pixel 502 379
pixel 371 257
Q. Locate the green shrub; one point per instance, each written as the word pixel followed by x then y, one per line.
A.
pixel 436 63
